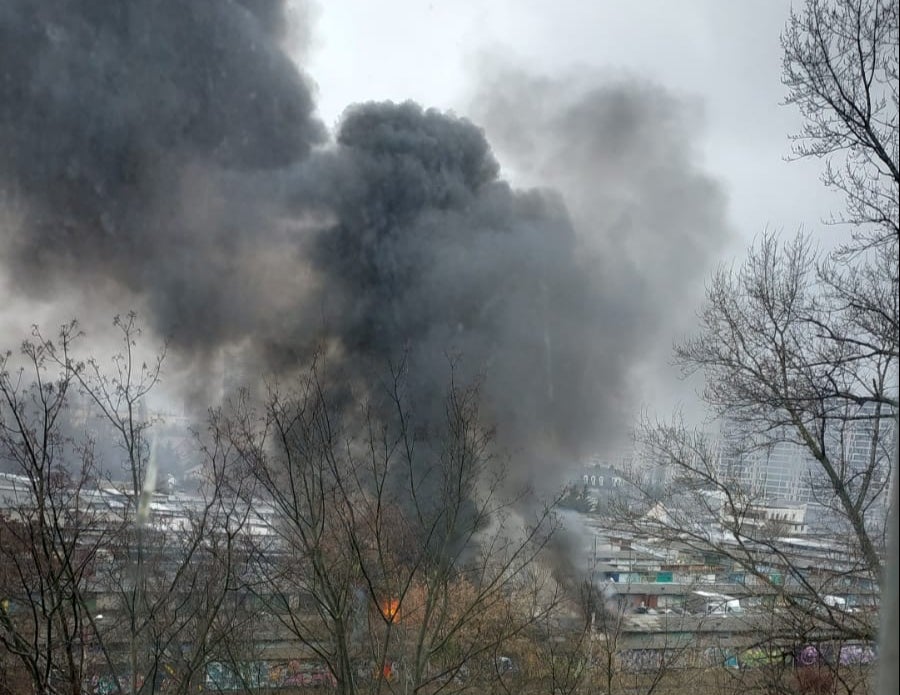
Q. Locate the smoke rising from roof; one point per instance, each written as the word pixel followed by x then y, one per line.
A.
pixel 170 151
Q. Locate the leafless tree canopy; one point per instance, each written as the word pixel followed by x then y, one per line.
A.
pixel 799 347
pixel 840 66
pixel 377 545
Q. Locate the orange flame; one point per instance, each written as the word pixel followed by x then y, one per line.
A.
pixel 390 609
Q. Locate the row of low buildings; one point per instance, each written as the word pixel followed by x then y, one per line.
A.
pixel 674 598
pixel 664 603
pixel 668 595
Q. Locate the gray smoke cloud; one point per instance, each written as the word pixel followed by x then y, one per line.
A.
pixel 624 153
pixel 170 151
pixel 649 221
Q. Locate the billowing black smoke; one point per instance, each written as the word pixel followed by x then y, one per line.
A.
pixel 115 121
pixel 170 151
pixel 431 253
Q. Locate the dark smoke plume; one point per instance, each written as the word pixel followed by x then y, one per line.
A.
pixel 118 122
pixel 434 254
pixel 170 150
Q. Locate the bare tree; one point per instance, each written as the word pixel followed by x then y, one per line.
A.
pixel 710 511
pixel 51 533
pixel 840 66
pixel 780 378
pixel 465 551
pixel 800 349
pixel 288 459
pixel 176 579
pixel 98 589
pixel 772 368
pixel 388 549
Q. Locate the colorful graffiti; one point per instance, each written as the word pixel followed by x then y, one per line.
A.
pixel 108 684
pixel 224 677
pixel 638 660
pixel 856 654
pixel 809 656
pixel 293 673
pixel 759 656
pixel 268 674
pixel 845 654
pixel 641 659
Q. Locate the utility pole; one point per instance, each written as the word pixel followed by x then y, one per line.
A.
pixel 591 627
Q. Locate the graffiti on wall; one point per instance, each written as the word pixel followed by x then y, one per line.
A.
pixel 845 654
pixel 268 674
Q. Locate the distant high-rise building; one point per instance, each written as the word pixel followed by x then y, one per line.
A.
pixel 771 471
pixel 777 467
